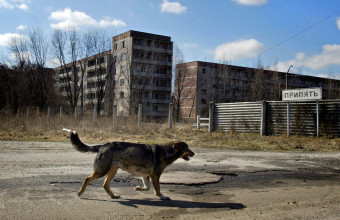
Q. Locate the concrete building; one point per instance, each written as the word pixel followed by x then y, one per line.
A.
pixel 199 83
pixel 91 75
pixel 143 72
pixel 137 70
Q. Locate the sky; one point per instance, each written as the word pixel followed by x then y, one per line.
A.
pixel 271 33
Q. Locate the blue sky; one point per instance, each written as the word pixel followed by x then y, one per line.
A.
pixel 277 33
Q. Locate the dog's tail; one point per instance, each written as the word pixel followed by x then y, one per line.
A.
pixel 80 146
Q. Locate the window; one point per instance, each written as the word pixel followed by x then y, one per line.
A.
pixel 102 60
pixel 115 47
pixel 122 69
pixel 163 71
pixel 156 70
pixel 142 42
pixel 146 95
pixel 121 82
pixel 143 69
pixel 148 56
pixel 123 44
pixel 155 96
pixel 204 101
pixel 203 71
pixel 155 108
pixel 121 95
pixel 123 56
pixel 204 91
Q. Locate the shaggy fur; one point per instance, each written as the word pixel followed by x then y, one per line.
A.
pixel 144 160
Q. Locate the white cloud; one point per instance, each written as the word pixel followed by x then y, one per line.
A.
pixel 52 63
pixel 21 27
pixel 190 45
pixel 330 55
pixel 238 50
pixel 5 4
pixel 23 7
pixel 11 4
pixel 68 18
pixel 250 2
pixel 338 22
pixel 6 38
pixel 172 7
pixel 114 22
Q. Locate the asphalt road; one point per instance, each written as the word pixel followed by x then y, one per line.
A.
pixel 40 180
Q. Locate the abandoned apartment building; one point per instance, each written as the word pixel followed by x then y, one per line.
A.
pixel 137 70
pixel 205 82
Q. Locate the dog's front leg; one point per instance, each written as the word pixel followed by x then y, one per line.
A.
pixel 155 182
pixel 146 183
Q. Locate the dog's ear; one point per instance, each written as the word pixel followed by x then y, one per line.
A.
pixel 178 145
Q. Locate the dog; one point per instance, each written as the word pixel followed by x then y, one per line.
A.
pixel 143 160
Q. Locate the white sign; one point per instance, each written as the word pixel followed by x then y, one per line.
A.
pixel 302 94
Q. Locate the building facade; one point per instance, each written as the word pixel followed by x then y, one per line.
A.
pixel 137 70
pixel 143 73
pixel 199 83
pixel 85 80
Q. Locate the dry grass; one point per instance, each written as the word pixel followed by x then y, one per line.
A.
pixel 20 128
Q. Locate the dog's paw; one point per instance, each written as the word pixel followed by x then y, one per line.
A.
pixel 115 196
pixel 140 188
pixel 163 197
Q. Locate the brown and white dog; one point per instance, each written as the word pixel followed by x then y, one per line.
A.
pixel 144 160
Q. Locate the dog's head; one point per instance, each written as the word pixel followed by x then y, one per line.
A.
pixel 183 149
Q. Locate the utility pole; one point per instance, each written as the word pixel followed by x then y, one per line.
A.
pixel 287 76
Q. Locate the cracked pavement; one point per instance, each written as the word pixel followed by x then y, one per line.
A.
pixel 39 180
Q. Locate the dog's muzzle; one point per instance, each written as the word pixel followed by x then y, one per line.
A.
pixel 187 155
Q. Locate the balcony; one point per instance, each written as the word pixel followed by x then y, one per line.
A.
pixel 151 62
pixel 152 88
pixel 157 75
pixel 93 67
pixel 96 79
pixel 155 49
pixel 159 101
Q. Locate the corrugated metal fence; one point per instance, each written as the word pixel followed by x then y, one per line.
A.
pixel 239 117
pixel 270 118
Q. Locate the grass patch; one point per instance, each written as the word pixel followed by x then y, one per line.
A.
pixel 41 128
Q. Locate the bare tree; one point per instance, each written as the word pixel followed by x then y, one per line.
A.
pixel 333 87
pixel 9 91
pixel 224 83
pixel 97 42
pixel 133 78
pixel 276 84
pixel 66 46
pixel 30 54
pixel 259 83
pixel 182 94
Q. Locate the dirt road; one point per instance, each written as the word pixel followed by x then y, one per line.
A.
pixel 40 180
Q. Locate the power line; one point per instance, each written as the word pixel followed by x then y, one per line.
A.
pixel 293 36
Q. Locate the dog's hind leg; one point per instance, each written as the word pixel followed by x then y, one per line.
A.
pixel 155 182
pixel 108 178
pixel 87 181
pixel 146 183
